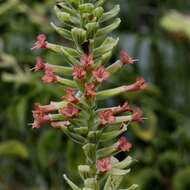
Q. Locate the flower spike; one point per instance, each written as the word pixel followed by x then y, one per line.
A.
pixel 100 131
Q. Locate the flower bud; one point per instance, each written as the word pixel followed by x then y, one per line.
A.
pixel 79 36
pixel 84 171
pixel 86 8
pixel 63 32
pixel 91 29
pixel 98 12
pixel 112 13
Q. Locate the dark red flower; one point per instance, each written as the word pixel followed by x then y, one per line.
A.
pixel 40 65
pixel 138 85
pixel 86 61
pixel 106 117
pixel 40 42
pixel 39 117
pixel 125 58
pixel 69 111
pixel 104 165
pixel 78 73
pixel 100 74
pixel 89 90
pixel 70 96
pixel 49 76
pixel 124 145
pixel 137 115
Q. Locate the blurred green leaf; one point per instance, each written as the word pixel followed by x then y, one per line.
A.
pixel 13 148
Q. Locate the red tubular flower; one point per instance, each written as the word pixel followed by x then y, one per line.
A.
pixel 89 90
pixel 49 76
pixel 104 165
pixel 138 85
pixel 40 42
pixel 137 115
pixel 86 61
pixel 125 58
pixel 78 73
pixel 123 108
pixel 69 111
pixel 40 65
pixel 106 117
pixel 70 96
pixel 58 124
pixel 100 74
pixel 124 145
pixel 39 117
pixel 45 108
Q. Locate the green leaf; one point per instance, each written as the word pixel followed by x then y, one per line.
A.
pixel 13 148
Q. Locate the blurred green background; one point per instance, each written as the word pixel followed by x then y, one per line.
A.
pixel 157 32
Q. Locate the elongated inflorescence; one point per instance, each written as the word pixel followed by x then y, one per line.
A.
pixel 100 131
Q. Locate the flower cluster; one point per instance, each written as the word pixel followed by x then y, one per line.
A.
pixel 77 113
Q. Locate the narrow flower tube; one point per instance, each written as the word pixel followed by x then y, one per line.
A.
pixel 113 68
pixel 137 86
pixel 59 124
pixel 60 69
pixel 66 82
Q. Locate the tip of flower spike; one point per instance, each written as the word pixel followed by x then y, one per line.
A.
pixel 125 59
